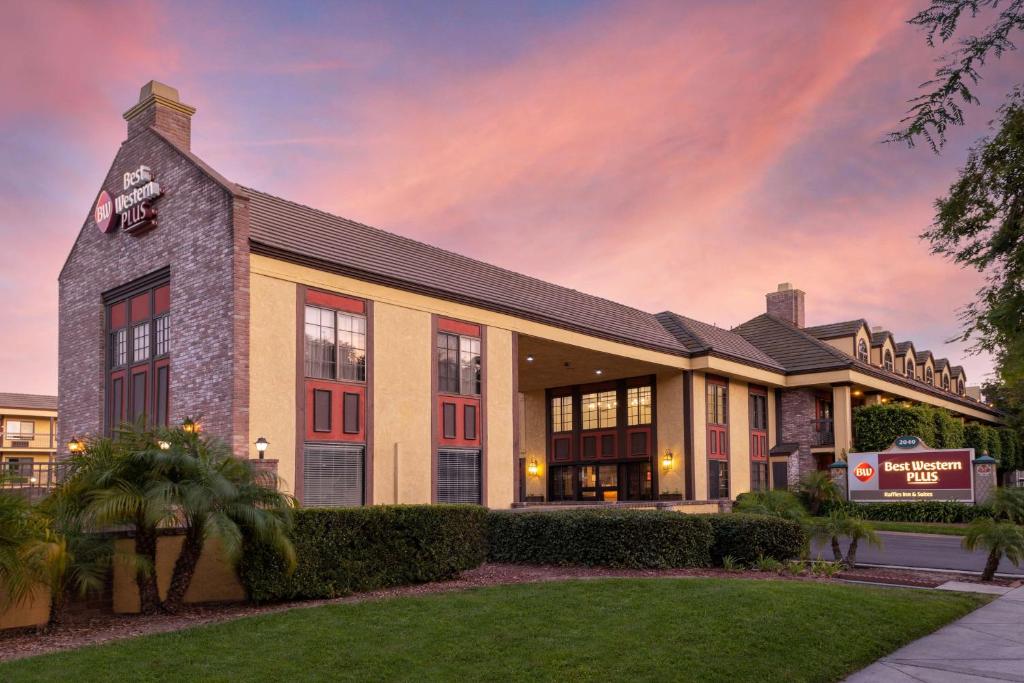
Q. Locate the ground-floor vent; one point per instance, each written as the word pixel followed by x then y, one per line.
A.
pixel 458 475
pixel 332 475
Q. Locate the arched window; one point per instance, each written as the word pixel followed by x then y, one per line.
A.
pixel 960 386
pixel 911 368
pixel 887 360
pixel 928 376
pixel 862 351
pixel 945 382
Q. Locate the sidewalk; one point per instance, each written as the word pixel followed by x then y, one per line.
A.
pixel 986 645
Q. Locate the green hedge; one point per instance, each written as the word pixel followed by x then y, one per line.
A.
pixel 341 551
pixel 949 512
pixel 748 537
pixel 639 539
pixel 877 426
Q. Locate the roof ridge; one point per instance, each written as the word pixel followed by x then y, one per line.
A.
pixel 810 337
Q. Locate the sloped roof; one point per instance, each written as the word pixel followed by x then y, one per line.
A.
pixel 878 338
pixel 957 371
pixel 790 346
pixel 28 401
pixel 285 229
pixel 847 328
pixel 700 338
pixel 922 356
pixel 941 364
pixel 903 347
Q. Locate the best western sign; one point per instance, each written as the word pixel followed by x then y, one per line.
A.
pixel 133 208
pixel 911 473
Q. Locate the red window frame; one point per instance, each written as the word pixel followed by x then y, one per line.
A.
pixel 462 402
pixel 718 433
pixel 758 436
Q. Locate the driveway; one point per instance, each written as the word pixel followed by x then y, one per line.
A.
pixel 986 645
pixel 922 551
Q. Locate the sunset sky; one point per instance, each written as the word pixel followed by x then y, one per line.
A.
pixel 678 155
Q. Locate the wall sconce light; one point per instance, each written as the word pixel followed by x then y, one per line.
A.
pixel 666 460
pixel 598 372
pixel 261 446
pixel 533 469
pixel 529 359
pixel 75 445
pixel 190 425
pixel 164 445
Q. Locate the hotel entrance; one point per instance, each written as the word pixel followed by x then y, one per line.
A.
pixel 606 483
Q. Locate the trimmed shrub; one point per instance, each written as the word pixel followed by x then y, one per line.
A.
pixel 1012 459
pixel 949 431
pixel 976 436
pixel 877 426
pixel 341 551
pixel 944 511
pixel 636 539
pixel 995 444
pixel 750 538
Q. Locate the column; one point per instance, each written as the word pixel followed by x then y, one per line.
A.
pixel 842 415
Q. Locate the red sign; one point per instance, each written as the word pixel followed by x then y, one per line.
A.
pixel 864 471
pixel 104 213
pixel 925 470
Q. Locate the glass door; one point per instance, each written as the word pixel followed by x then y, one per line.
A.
pixel 599 482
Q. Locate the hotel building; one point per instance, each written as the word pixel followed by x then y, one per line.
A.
pixel 384 370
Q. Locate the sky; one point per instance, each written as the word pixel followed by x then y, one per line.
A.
pixel 672 155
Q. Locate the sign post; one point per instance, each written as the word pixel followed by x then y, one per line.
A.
pixel 910 471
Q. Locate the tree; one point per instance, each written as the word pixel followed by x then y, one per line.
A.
pixel 940 106
pixel 857 529
pixel 771 503
pixel 24 548
pixel 840 524
pixel 999 538
pixel 817 488
pixel 224 497
pixel 1008 504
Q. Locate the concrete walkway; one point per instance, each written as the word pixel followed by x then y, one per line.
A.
pixel 986 645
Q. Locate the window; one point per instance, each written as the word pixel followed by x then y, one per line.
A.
pixel 758 412
pixel 335 345
pixel 458 476
pixel 929 376
pixel 911 369
pixel 945 382
pixel 718 479
pixel 717 398
pixel 759 476
pixel 561 414
pixel 20 429
pixel 140 343
pixel 862 351
pixel 599 410
pixel 163 335
pixel 458 364
pixel 960 386
pixel 119 348
pixel 332 475
pixel 19 468
pixel 887 360
pixel 638 406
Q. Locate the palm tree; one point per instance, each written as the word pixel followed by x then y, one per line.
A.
pixel 857 529
pixel 772 504
pixel 125 481
pixel 817 488
pixel 1008 503
pixel 224 497
pixel 831 527
pixel 999 538
pixel 23 548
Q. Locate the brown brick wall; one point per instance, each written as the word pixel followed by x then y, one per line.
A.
pixel 204 245
pixel 797 412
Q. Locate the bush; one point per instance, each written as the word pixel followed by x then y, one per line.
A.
pixel 750 538
pixel 976 436
pixel 877 426
pixel 341 551
pixel 943 511
pixel 1013 458
pixel 773 503
pixel 637 539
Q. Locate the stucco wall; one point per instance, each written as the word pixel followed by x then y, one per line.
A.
pixel 670 432
pixel 402 358
pixel 739 438
pixel 700 437
pixel 501 455
pixel 215 579
pixel 272 368
pixel 35 611
pixel 534 441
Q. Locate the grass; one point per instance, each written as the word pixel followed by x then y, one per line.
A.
pixel 670 629
pixel 920 527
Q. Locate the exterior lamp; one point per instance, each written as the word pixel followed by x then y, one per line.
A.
pixel 261 446
pixel 164 445
pixel 190 425
pixel 529 359
pixel 666 461
pixel 75 445
pixel 533 469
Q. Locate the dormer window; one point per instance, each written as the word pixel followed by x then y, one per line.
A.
pixel 887 360
pixel 945 382
pixel 929 376
pixel 911 368
pixel 960 386
pixel 862 351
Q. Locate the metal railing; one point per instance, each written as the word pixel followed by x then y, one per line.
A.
pixel 823 434
pixel 32 479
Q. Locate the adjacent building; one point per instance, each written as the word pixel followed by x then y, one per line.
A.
pixel 28 438
pixel 384 370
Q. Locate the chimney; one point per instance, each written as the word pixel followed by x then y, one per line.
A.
pixel 159 107
pixel 787 303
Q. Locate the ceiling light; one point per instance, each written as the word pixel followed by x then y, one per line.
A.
pixel 529 359
pixel 598 372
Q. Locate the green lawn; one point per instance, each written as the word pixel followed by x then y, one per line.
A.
pixel 921 527
pixel 615 629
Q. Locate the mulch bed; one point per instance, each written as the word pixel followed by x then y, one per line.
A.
pixel 91 628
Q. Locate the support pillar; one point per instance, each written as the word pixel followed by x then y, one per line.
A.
pixel 837 471
pixel 984 478
pixel 842 416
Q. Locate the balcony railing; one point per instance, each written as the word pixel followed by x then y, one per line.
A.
pixel 36 441
pixel 823 434
pixel 31 479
